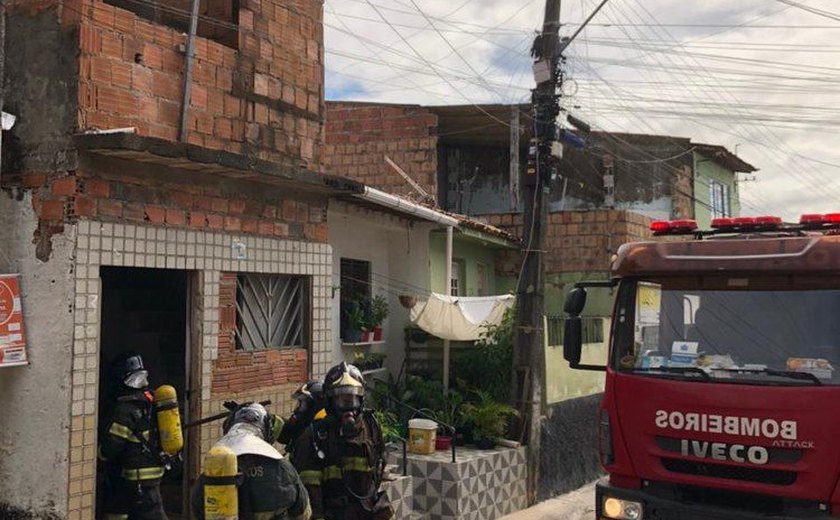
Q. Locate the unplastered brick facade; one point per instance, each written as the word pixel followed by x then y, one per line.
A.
pixel 359 136
pixel 256 113
pixel 160 196
pixel 262 98
pixel 239 370
pixel 576 241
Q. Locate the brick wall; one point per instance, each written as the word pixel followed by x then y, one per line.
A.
pixel 262 99
pixel 576 241
pixel 238 371
pixel 360 135
pixel 224 205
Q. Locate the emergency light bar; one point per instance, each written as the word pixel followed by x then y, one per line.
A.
pixel 819 221
pixel 673 227
pixel 721 225
pixel 763 223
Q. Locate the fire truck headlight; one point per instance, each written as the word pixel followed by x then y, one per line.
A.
pixel 622 509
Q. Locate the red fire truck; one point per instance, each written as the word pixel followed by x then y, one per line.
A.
pixel 722 396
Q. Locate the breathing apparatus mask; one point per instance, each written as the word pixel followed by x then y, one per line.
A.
pixel 345 393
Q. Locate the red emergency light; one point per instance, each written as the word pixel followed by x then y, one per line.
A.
pixel 673 227
pixel 819 221
pixel 764 222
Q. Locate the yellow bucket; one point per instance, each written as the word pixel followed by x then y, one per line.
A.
pixel 421 436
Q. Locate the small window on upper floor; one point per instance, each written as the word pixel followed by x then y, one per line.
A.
pixel 218 19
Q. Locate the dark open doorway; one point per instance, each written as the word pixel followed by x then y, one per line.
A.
pixel 145 310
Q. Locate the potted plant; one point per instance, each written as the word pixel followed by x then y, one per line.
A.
pixel 378 313
pixel 370 361
pixel 355 324
pixel 489 419
pixel 449 414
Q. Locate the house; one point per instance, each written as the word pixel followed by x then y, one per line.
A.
pixel 129 230
pixel 471 158
pixel 390 247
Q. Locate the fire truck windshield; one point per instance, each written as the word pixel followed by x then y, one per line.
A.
pixel 730 330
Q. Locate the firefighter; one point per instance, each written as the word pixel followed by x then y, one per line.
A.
pixel 130 446
pixel 341 458
pixel 270 488
pixel 310 407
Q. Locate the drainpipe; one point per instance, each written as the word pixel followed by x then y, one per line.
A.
pixel 405 206
pixel 185 105
pixel 446 345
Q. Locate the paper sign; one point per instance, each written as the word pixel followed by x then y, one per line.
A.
pixel 12 334
pixel 648 303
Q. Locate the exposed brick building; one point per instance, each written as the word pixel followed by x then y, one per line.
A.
pixel 361 135
pixel 126 237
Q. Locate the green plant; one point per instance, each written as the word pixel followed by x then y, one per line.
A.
pixel 378 310
pixel 488 416
pixel 368 361
pixel 356 318
pixel 450 411
pixel 389 423
pixel 424 393
pixel 487 365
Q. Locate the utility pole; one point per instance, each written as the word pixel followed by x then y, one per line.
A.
pixel 529 357
pixel 528 354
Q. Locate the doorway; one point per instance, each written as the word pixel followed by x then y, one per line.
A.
pixel 145 310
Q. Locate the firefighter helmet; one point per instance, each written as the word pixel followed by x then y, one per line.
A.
pixel 253 417
pixel 128 370
pixel 344 389
pixel 310 398
pixel 247 430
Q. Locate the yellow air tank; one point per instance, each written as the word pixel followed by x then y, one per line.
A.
pixel 169 420
pixel 221 500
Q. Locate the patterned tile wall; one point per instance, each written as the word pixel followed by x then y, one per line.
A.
pixel 207 253
pixel 480 485
pixel 400 493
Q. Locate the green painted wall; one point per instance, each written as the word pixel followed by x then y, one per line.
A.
pixel 706 170
pixel 562 382
pixel 471 253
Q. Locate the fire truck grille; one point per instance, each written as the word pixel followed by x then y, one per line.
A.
pixel 705 469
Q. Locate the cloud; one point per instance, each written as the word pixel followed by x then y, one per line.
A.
pixel 717 71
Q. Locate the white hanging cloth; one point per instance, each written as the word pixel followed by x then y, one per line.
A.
pixel 460 318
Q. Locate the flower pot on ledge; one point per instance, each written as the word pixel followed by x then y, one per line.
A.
pixel 352 336
pixel 377 334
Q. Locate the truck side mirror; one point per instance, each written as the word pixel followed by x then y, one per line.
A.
pixel 575 302
pixel 573 340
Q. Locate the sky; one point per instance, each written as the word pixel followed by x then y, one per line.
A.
pixel 761 77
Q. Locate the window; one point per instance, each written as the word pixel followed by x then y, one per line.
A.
pixel 218 19
pixel 592 328
pixel 719 199
pixel 455 282
pixel 271 311
pixel 355 286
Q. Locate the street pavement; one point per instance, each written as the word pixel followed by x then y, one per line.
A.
pixel 576 505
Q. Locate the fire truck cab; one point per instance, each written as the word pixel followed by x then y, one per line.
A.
pixel 722 396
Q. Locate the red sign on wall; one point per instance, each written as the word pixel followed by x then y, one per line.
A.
pixel 12 336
